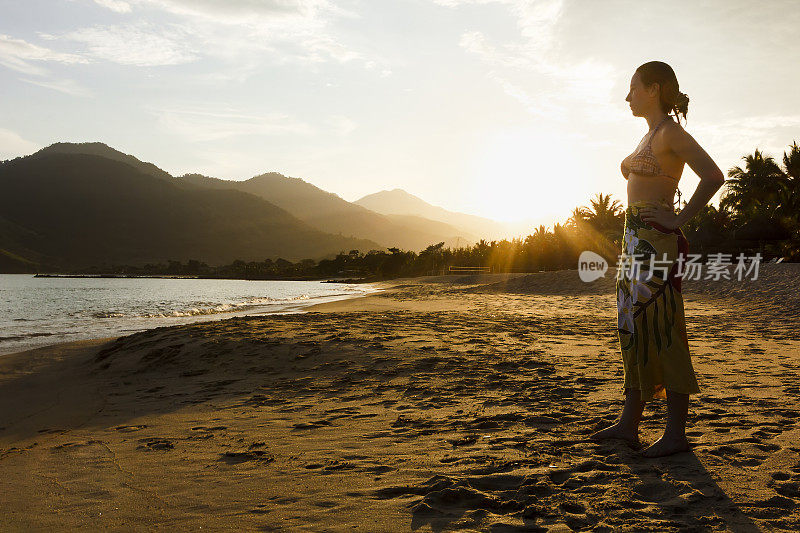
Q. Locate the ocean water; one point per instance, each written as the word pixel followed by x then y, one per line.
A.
pixel 36 312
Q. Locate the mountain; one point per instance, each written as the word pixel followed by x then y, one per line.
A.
pixel 329 212
pixel 399 202
pixel 103 150
pixel 64 209
pixel 422 225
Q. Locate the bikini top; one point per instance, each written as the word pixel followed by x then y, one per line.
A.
pixel 645 162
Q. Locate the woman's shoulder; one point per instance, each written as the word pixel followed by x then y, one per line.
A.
pixel 674 124
pixel 672 131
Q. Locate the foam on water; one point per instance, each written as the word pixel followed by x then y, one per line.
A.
pixel 40 311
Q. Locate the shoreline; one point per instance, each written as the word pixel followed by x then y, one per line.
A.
pixel 332 305
pixel 98 341
pixel 286 307
pixel 371 302
pixel 457 402
pixel 327 279
pixel 757 301
pixel 708 290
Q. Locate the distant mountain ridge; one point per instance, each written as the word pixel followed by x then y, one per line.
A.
pixel 103 150
pixel 61 209
pixel 329 212
pixel 400 202
pixel 286 217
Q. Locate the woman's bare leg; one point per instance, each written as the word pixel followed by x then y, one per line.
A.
pixel 674 438
pixel 627 427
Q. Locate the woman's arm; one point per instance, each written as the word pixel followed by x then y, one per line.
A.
pixel 711 177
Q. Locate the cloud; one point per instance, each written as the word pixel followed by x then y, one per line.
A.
pixel 545 84
pixel 136 44
pixel 65 86
pixel 23 56
pixel 247 11
pixel 738 136
pixel 211 123
pixel 457 3
pixel 244 34
pixel 115 5
pixel 13 145
pixel 279 33
pixel 241 36
pixel 18 55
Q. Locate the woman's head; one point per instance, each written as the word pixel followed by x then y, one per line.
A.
pixel 654 85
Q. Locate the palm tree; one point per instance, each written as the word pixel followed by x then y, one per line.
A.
pixel 605 215
pixel 540 232
pixel 577 217
pixel 709 224
pixel 598 227
pixel 757 190
pixel 792 161
pixel 790 201
pixel 790 204
pixel 603 209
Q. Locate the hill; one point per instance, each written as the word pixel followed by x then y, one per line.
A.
pixel 327 211
pixel 103 150
pixel 64 209
pixel 400 202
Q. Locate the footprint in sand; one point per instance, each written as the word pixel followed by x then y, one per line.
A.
pixel 214 428
pixel 311 425
pixel 574 515
pixel 754 460
pixel 535 496
pixel 232 457
pixel 464 441
pixel 792 389
pixel 767 432
pixel 151 444
pixel 68 445
pixel 128 429
pixel 773 507
pixel 382 469
pixel 329 466
pixel 51 430
pixel 787 484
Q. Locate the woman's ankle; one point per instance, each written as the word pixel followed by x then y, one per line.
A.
pixel 677 434
pixel 628 426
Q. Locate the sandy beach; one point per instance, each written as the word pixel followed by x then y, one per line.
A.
pixel 443 403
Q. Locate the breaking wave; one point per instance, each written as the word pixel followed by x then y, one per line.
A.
pixel 210 308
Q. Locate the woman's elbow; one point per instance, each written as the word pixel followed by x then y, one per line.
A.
pixel 715 177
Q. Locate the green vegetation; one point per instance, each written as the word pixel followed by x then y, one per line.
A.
pixel 71 211
pixel 758 213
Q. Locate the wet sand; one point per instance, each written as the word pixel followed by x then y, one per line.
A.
pixel 443 403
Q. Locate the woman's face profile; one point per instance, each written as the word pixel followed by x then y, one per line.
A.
pixel 637 95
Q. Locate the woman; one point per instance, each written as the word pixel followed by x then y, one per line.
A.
pixel 652 328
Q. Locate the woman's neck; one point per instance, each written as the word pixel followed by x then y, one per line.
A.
pixel 655 120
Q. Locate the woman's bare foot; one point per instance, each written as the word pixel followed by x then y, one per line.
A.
pixel 617 432
pixel 666 445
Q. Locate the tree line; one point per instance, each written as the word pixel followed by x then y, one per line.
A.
pixel 758 212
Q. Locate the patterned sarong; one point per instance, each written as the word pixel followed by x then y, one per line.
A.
pixel 651 322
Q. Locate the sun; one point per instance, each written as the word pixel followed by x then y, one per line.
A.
pixel 528 174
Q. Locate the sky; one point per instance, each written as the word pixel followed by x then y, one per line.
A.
pixel 509 109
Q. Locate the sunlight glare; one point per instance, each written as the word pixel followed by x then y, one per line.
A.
pixel 528 174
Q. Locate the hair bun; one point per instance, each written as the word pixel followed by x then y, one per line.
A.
pixel 681 103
